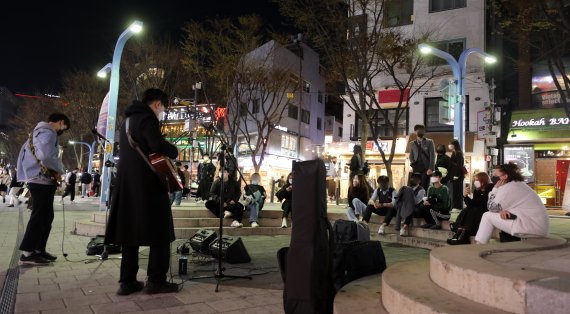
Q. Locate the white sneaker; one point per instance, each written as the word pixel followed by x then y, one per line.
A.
pixel 284 223
pixel 254 224
pixel 403 232
pixel 227 214
pixel 236 224
pixel 381 229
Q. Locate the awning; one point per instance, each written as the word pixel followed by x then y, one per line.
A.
pixel 391 98
pixel 545 125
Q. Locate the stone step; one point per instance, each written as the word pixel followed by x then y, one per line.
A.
pixel 424 243
pixel 464 270
pixel 361 296
pixel 407 288
pixel 91 229
pixel 214 222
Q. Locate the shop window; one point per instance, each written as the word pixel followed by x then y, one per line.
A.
pixel 319 124
pixel 288 145
pixel 454 47
pixel 305 116
pixel 398 13
pixel 443 5
pixel 293 112
pixel 431 116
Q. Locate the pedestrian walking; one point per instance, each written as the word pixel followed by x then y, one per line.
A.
pixel 86 180
pixel 70 179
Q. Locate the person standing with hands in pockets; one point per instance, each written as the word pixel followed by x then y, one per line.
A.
pixel 422 155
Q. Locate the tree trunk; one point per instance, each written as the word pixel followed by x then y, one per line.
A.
pixel 364 137
pixel 389 172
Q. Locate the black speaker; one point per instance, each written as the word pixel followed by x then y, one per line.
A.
pixel 201 240
pixel 233 250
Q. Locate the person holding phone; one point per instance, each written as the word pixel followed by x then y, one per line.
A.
pixel 514 207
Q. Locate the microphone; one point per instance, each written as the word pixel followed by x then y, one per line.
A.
pixel 99 136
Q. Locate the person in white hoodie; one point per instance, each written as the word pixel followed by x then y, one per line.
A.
pixel 514 207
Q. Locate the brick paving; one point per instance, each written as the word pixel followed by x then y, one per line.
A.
pixel 77 287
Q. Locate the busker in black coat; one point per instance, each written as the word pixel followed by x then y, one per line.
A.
pixel 140 212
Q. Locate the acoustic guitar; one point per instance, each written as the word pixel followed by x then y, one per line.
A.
pixel 166 171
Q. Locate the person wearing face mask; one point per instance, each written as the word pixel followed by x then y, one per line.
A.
pixel 40 166
pixel 468 221
pixel 422 155
pixel 456 175
pixel 383 200
pixel 257 194
pixel 285 194
pixel 140 213
pixel 408 199
pixel 230 199
pixel 514 208
pixel 206 171
pixel 435 207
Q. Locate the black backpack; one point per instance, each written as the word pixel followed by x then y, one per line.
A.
pixel 96 246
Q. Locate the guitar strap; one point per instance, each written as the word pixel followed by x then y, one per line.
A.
pixel 43 169
pixel 136 146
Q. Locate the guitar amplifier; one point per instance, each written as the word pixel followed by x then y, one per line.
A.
pixel 201 240
pixel 233 250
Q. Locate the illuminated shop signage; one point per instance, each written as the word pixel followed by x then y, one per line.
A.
pixel 541 118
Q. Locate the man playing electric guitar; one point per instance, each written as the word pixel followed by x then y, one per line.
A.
pixel 40 167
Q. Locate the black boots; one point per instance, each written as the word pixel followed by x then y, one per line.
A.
pixel 461 237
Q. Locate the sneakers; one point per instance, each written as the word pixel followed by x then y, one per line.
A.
pixel 48 256
pixel 381 229
pixel 254 224
pixel 236 224
pixel 34 259
pixel 404 232
pixel 164 287
pixel 227 214
pixel 284 223
pixel 130 287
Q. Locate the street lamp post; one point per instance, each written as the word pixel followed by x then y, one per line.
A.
pixel 134 28
pixel 459 70
pixel 91 150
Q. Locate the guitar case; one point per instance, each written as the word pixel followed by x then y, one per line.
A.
pixel 308 267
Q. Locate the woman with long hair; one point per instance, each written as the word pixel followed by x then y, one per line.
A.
pixel 514 207
pixel 468 221
pixel 285 194
pixel 456 175
pixel 358 196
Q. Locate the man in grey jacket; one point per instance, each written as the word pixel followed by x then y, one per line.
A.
pixel 39 166
pixel 422 155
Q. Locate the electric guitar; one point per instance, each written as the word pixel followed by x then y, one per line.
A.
pixel 166 171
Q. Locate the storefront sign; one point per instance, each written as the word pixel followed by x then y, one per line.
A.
pixel 545 118
pixel 523 157
pixel 483 124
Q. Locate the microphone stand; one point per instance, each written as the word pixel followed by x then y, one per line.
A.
pixel 219 272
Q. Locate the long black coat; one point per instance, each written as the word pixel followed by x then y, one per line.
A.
pixel 140 212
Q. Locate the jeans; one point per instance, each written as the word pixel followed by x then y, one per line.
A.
pixel 176 197
pixel 39 225
pixel 84 189
pixel 253 212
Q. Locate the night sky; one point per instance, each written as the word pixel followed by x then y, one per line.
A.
pixel 43 39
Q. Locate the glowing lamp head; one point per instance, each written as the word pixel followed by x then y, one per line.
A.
pixel 102 74
pixel 71 142
pixel 136 27
pixel 425 49
pixel 490 59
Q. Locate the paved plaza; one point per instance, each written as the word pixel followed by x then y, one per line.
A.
pixel 74 286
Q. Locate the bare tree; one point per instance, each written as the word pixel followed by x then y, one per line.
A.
pixel 362 52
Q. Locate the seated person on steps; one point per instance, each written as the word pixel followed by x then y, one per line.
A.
pixel 468 221
pixel 408 199
pixel 358 196
pixel 255 194
pixel 435 207
pixel 514 207
pixel 383 200
pixel 232 192
pixel 285 194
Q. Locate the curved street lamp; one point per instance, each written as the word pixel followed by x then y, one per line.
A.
pixel 133 29
pixel 459 70
pixel 91 150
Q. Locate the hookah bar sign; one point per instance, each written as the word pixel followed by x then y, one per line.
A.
pixel 541 118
